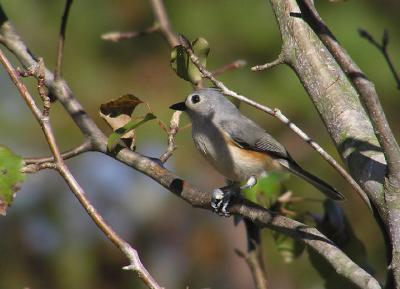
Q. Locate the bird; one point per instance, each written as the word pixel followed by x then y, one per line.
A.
pixel 237 147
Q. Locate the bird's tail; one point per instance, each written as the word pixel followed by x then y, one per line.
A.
pixel 327 189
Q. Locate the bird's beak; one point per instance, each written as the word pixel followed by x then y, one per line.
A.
pixel 178 106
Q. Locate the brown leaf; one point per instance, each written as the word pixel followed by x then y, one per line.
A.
pixel 124 104
pixel 3 208
pixel 117 113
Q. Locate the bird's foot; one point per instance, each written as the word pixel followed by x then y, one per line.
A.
pixel 221 199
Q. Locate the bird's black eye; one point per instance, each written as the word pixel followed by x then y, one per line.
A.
pixel 195 98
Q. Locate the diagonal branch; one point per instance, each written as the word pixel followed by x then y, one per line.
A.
pixel 364 87
pixel 278 114
pixel 44 121
pixel 261 216
pixel 384 134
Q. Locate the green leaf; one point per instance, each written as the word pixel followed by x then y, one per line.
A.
pixel 131 125
pixel 118 112
pixel 288 247
pixel 182 65
pixel 269 188
pixel 10 177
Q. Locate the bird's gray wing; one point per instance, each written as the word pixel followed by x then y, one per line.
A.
pixel 248 135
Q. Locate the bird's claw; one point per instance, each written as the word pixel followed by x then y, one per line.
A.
pixel 220 201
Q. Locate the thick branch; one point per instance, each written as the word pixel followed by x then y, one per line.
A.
pixel 384 134
pixel 335 99
pixel 364 87
pixel 261 216
pixel 278 114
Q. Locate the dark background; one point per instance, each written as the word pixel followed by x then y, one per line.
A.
pixel 47 241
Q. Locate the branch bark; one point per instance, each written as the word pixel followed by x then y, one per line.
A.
pixel 363 138
pixel 260 216
pixel 278 114
pixel 44 121
pixel 335 99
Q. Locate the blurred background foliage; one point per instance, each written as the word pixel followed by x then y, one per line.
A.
pixel 47 241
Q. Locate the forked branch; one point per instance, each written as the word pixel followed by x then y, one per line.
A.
pixel 44 121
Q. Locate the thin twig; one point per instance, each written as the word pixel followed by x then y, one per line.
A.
pixel 278 114
pixel 84 147
pixel 34 168
pixel 230 66
pixel 181 188
pixel 118 36
pixel 172 131
pixel 254 255
pixel 162 20
pixel 44 121
pixel 382 47
pixel 253 263
pixel 279 60
pixel 61 39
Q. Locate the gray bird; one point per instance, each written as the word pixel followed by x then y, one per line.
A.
pixel 237 147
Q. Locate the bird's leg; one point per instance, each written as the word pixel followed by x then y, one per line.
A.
pixel 222 197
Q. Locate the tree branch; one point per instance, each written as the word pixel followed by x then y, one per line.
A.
pixel 118 36
pixel 171 131
pixel 61 39
pixel 279 60
pixel 364 87
pixel 278 114
pixel 60 166
pixel 254 256
pixel 384 134
pixel 162 20
pixel 230 66
pixel 261 216
pixel 383 49
pixel 84 147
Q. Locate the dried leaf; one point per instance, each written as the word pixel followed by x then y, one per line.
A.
pixel 127 128
pixel 117 113
pixel 10 177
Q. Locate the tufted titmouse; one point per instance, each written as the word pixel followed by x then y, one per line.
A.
pixel 236 146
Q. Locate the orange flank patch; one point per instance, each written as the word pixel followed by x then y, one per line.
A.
pixel 253 158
